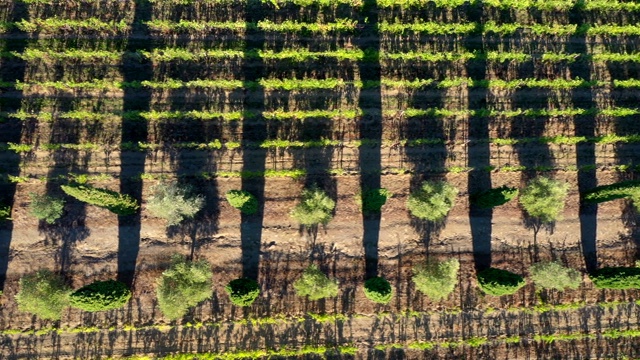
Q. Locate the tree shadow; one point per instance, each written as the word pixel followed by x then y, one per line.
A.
pixel 585 125
pixel 253 131
pixel 478 153
pixel 11 130
pixel 369 156
pixel 133 131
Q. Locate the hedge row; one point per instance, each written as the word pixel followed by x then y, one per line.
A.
pixel 543 199
pixel 187 283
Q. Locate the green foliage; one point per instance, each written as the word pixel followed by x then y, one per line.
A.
pixel 243 201
pixel 499 282
pixel 371 200
pixel 43 294
pixel 5 212
pixel 378 290
pixel 544 198
pixel 315 284
pixel 101 296
pixel 117 203
pixel 436 279
pixel 315 208
pixel 183 285
pixel 243 291
pixel 45 207
pixel 432 201
pixel 616 278
pixel 625 189
pixel 173 203
pixel 495 197
pixel 553 275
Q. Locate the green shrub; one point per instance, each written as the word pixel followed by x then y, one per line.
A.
pixel 43 294
pixel 616 278
pixel 45 207
pixel 553 275
pixel 371 200
pixel 625 189
pixel 183 285
pixel 101 296
pixel 432 201
pixel 499 282
pixel 378 290
pixel 436 279
pixel 243 291
pixel 315 208
pixel 495 197
pixel 243 201
pixel 117 203
pixel 5 212
pixel 315 284
pixel 544 198
pixel 173 203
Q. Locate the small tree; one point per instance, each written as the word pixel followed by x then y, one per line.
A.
pixel 243 201
pixel 315 208
pixel 45 207
pixel 43 294
pixel 432 201
pixel 101 296
pixel 543 199
pixel 315 284
pixel 499 282
pixel 243 291
pixel 121 204
pixel 436 279
pixel 378 290
pixel 371 200
pixel 184 285
pixel 173 203
pixel 553 275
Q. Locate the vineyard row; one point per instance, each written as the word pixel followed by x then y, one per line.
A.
pixel 547 5
pixel 158 116
pixel 54 24
pixel 323 84
pixel 301 173
pixel 285 144
pixel 369 55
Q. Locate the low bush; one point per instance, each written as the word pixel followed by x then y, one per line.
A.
pixel 243 291
pixel 45 207
pixel 495 197
pixel 43 294
pixel 553 275
pixel 378 290
pixel 499 282
pixel 243 201
pixel 173 202
pixel 432 201
pixel 544 198
pixel 371 200
pixel 625 189
pixel 5 212
pixel 101 296
pixel 183 285
pixel 436 279
pixel 616 278
pixel 315 208
pixel 315 284
pixel 115 202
